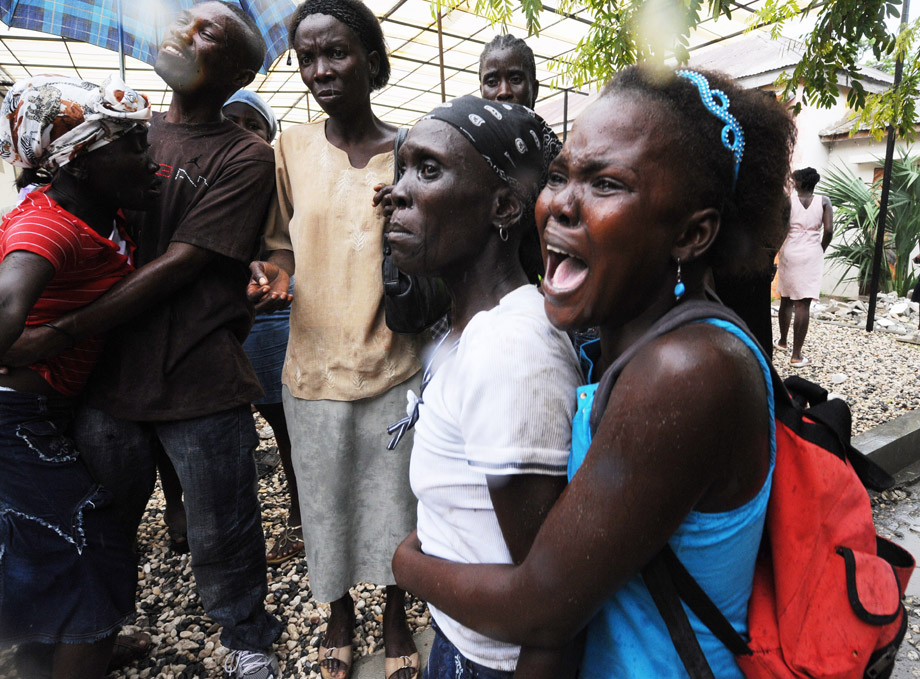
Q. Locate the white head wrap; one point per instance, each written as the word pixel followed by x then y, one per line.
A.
pixel 48 120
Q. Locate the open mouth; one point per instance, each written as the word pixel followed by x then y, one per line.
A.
pixel 564 271
pixel 169 48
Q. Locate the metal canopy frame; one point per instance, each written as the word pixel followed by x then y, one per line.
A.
pixel 418 81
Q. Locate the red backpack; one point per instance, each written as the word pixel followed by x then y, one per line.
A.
pixel 826 601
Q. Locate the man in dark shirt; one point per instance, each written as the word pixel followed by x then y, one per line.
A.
pixel 175 377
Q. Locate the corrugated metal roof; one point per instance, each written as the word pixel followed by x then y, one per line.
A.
pixel 412 37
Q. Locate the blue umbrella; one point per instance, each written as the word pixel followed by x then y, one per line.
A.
pixel 135 27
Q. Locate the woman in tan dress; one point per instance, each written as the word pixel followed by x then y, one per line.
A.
pixel 346 374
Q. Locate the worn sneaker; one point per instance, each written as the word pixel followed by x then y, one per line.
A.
pixel 267 460
pixel 252 665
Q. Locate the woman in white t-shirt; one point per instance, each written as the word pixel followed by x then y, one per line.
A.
pixel 498 396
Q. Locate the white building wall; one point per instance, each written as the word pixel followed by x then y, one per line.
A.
pixel 861 155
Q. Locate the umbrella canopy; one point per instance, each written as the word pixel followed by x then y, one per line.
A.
pixel 135 27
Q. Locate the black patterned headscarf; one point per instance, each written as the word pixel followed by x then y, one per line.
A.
pixel 516 143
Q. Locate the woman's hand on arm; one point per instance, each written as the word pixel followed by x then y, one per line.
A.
pixel 521 503
pixel 382 197
pixel 684 419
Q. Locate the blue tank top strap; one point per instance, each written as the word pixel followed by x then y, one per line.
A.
pixel 581 429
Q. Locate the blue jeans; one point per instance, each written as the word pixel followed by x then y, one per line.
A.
pixel 212 456
pixel 67 572
pixel 446 662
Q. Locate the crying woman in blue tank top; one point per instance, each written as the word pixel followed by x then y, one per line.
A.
pixel 669 174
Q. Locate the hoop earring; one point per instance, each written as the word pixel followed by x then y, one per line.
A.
pixel 503 233
pixel 680 288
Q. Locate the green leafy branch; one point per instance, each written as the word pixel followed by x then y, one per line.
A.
pixel 624 32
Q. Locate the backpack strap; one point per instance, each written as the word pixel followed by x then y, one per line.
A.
pixel 669 582
pixel 664 593
pixel 834 415
pixel 679 315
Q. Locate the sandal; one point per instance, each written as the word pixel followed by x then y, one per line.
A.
pixel 128 648
pixel 335 663
pixel 287 546
pixel 403 667
pixel 780 347
pixel 800 364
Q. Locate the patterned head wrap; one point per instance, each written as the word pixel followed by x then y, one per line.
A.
pixel 254 101
pixel 48 120
pixel 516 143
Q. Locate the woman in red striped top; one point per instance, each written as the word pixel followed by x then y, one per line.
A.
pixel 66 570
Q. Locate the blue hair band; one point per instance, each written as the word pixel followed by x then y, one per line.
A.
pixel 717 103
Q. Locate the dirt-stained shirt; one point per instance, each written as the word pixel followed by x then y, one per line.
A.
pixel 340 347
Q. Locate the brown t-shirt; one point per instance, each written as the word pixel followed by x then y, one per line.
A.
pixel 183 357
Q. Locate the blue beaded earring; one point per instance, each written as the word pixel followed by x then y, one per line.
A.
pixel 680 288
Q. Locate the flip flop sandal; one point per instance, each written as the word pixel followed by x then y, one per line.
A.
pixel 800 364
pixel 403 667
pixel 128 648
pixel 335 663
pixel 286 547
pixel 779 346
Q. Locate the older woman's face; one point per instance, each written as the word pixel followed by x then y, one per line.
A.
pixel 333 64
pixel 443 201
pixel 609 215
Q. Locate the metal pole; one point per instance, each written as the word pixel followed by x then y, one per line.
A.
pixel 565 114
pixel 121 40
pixel 441 59
pixel 886 186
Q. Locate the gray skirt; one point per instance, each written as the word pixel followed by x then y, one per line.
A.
pixel 354 494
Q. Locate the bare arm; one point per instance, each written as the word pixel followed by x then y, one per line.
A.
pixel 23 277
pixel 521 504
pixel 687 428
pixel 136 292
pixel 828 220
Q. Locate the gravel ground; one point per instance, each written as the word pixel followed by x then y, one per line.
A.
pixel 186 642
pixel 878 376
pixel 897 517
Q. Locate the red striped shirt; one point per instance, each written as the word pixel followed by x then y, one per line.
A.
pixel 85 265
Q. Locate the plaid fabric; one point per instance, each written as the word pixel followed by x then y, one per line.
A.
pixel 144 22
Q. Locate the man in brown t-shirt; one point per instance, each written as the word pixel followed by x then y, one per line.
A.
pixel 175 377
